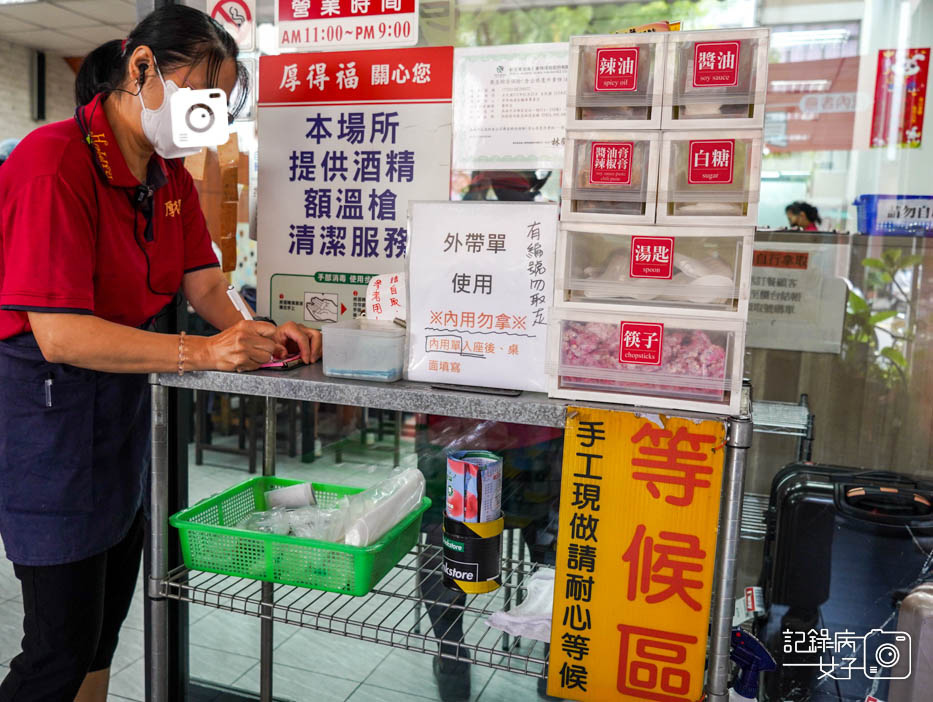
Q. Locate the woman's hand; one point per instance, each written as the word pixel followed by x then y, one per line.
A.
pixel 298 338
pixel 242 347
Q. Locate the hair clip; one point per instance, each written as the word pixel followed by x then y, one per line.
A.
pixel 123 47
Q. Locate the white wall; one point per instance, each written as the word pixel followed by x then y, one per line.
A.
pixel 15 111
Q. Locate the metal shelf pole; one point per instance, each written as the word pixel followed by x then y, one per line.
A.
pixel 730 523
pixel 266 633
pixel 158 549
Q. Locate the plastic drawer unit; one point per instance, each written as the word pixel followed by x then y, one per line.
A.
pixel 630 356
pixel 615 81
pixel 709 178
pixel 704 270
pixel 716 79
pixel 610 177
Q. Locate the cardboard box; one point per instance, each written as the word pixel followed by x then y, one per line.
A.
pixel 197 164
pixel 229 183
pixel 229 153
pixel 228 253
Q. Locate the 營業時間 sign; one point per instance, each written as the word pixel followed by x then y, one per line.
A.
pixel 332 24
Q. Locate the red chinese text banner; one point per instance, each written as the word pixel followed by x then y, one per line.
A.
pixel 900 98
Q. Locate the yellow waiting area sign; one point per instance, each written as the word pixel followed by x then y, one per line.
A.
pixel 636 551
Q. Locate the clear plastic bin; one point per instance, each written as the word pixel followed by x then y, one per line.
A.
pixel 616 81
pixel 706 269
pixel 709 177
pixel 632 357
pixel 364 350
pixel 610 177
pixel 716 79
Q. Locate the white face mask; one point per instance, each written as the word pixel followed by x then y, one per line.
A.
pixel 157 124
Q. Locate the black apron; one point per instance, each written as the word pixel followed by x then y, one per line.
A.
pixel 74 455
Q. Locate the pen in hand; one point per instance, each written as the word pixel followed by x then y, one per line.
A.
pixel 238 303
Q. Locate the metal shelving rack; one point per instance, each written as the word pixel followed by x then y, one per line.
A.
pixel 782 419
pixel 394 614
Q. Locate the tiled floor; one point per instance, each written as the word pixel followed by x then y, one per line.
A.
pixel 309 665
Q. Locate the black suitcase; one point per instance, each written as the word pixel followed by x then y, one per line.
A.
pixel 843 548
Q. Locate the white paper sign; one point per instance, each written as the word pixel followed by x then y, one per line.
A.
pixel 339 163
pixel 510 107
pixel 798 296
pixel 387 297
pixel 481 281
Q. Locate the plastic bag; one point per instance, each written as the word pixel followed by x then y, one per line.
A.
pixel 274 521
pixel 373 512
pixel 532 618
pixel 321 523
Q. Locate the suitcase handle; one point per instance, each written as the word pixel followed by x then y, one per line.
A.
pixel 884 504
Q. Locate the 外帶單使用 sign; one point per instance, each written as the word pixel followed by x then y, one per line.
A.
pixel 639 506
pixel 481 281
pixel 331 24
pixel 348 140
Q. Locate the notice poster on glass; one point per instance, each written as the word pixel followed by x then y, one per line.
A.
pixel 348 139
pixel 480 283
pixel 510 107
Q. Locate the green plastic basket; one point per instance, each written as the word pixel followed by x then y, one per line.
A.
pixel 210 541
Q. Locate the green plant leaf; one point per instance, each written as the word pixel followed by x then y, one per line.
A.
pixel 874 263
pixel 857 303
pixel 895 356
pixel 879 317
pixel 886 277
pixel 912 260
pixel 892 256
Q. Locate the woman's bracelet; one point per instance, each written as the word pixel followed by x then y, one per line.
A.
pixel 181 353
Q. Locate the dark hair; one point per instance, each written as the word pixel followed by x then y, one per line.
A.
pixel 809 210
pixel 177 35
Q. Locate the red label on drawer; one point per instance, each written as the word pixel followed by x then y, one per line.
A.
pixel 781 259
pixel 716 64
pixel 640 342
pixel 652 257
pixel 611 162
pixel 711 162
pixel 617 69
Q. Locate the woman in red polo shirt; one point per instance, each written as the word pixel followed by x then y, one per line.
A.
pixel 100 227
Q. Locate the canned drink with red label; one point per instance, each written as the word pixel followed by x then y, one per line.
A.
pixel 474 486
pixel 455 488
